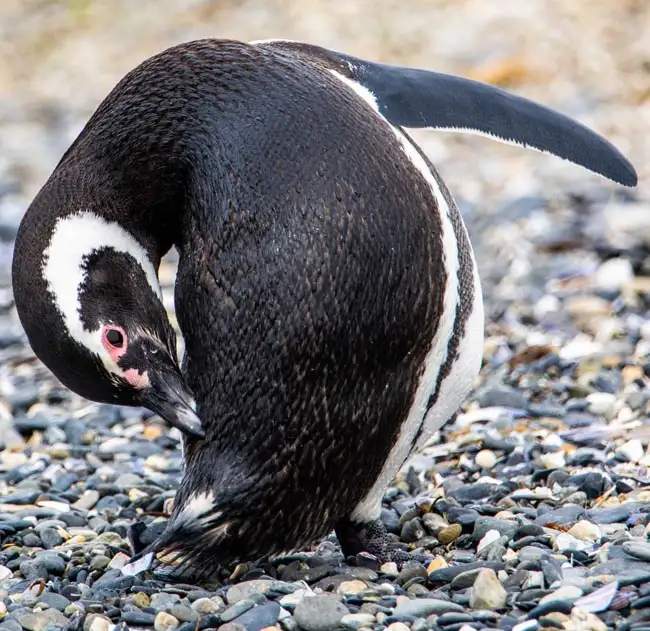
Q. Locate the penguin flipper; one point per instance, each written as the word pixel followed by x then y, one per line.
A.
pixel 414 98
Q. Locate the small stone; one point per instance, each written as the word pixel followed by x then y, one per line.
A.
pixel 357 620
pixel 503 397
pixel 240 591
pixel 138 618
pixel 582 621
pixel 205 605
pixel 322 612
pixel 5 573
pixel 632 450
pixel 351 587
pixel 504 527
pixel 434 523
pixel 163 600
pixel 602 404
pixel 119 561
pixel 422 607
pixel 141 600
pixel 42 620
pixel 565 592
pixel 397 626
pixel 487 591
pixel 33 569
pixel 552 460
pixel 165 622
pixel 450 534
pixel 614 274
pixel 437 563
pixel 486 459
pixel 97 622
pixel 489 538
pixel 637 549
pixel 389 569
pixel 53 600
pixel 99 562
pixel 261 617
pixel 585 531
pixel 87 500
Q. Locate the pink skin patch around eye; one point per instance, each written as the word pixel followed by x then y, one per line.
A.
pixel 136 379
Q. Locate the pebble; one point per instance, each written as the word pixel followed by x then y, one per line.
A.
pixel 165 622
pixel 240 591
pixel 632 450
pixel 486 459
pixel 42 620
pixel 487 592
pixel 449 534
pixel 422 607
pixel 322 612
pixel 261 617
pixel 97 622
pixel 585 531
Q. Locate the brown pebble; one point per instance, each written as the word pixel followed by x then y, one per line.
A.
pixel 449 534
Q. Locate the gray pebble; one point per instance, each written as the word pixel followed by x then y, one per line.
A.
pixel 42 620
pixel 503 397
pixel 483 524
pixel 563 515
pixel 138 618
pixel 33 570
pixel 54 601
pixel 422 607
pixel 247 589
pixel 236 610
pixel 259 617
pixel 52 562
pixel 637 549
pixel 322 612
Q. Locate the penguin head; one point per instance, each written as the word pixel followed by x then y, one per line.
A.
pixel 93 314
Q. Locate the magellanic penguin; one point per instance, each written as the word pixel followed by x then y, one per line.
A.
pixel 326 291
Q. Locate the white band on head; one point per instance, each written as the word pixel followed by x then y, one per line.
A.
pixel 73 238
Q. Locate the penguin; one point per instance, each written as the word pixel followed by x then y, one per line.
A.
pixel 327 292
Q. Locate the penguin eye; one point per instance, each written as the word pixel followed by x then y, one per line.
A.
pixel 114 337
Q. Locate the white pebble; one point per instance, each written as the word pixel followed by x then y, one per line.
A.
pixel 565 541
pixel 602 403
pixel 486 459
pixel 357 620
pixel 165 622
pixel 553 460
pixel 5 573
pixel 585 531
pixel 545 305
pixel 488 538
pixel 566 592
pixel 100 623
pixel 632 450
pixel 613 274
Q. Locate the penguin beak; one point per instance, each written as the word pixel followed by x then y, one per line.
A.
pixel 168 397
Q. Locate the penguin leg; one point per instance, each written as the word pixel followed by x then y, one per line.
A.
pixel 371 537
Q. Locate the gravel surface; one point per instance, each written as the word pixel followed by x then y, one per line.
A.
pixel 534 500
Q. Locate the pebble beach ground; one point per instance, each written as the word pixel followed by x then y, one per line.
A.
pixel 534 500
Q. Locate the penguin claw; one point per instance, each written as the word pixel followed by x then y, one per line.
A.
pixel 370 544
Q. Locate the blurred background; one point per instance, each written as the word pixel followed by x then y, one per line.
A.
pixel 588 59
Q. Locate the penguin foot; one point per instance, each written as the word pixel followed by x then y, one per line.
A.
pixel 372 538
